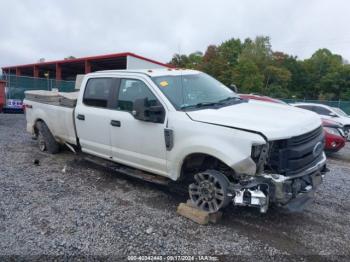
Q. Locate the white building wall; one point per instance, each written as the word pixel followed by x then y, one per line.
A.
pixel 136 63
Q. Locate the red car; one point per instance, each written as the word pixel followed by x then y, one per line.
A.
pixel 2 95
pixel 262 98
pixel 334 135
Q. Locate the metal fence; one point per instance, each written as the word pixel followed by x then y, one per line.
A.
pixel 344 105
pixel 16 85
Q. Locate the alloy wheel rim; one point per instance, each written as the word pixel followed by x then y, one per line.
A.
pixel 207 192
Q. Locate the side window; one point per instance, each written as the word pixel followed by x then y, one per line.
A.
pixel 97 92
pixel 306 107
pixel 132 89
pixel 322 111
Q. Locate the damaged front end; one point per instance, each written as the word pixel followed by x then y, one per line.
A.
pixel 294 192
pixel 287 173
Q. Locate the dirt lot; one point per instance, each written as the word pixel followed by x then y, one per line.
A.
pixel 65 206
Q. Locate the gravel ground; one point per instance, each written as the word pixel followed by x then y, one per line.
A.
pixel 65 206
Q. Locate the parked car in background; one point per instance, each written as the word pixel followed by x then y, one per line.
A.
pixel 335 137
pixel 13 106
pixel 340 112
pixel 328 112
pixel 261 98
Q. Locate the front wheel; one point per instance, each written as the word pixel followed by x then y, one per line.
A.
pixel 209 191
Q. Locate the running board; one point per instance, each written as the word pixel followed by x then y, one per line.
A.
pixel 128 171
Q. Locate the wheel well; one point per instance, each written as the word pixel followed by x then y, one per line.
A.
pixel 35 127
pixel 198 162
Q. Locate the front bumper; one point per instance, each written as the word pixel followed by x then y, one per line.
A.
pixel 294 192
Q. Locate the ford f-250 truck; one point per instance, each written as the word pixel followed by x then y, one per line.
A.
pixel 185 126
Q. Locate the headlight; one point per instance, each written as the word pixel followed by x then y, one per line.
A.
pixel 341 131
pixel 256 151
pixel 259 156
pixel 332 131
pixel 259 151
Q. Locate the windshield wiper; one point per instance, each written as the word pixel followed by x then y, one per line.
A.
pixel 199 105
pixel 217 103
pixel 227 99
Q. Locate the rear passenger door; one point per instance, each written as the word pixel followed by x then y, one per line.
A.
pixel 92 116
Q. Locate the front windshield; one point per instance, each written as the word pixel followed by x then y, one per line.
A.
pixel 339 111
pixel 189 90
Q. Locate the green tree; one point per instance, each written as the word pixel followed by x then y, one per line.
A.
pixel 255 68
pixel 230 51
pixel 298 79
pixel 336 83
pixel 321 63
pixel 191 61
pixel 254 59
pixel 279 77
pixel 258 51
pixel 216 65
pixel 248 77
pixel 195 60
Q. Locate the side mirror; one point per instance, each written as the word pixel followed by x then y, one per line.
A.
pixel 333 114
pixel 142 110
pixel 234 88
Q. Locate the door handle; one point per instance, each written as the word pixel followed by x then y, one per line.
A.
pixel 81 117
pixel 115 123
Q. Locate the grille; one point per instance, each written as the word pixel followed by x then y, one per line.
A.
pixel 291 156
pixel 298 140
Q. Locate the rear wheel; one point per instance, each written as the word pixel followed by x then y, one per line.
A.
pixel 46 141
pixel 209 191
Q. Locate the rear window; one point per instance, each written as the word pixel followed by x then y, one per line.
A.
pixel 97 92
pixel 322 111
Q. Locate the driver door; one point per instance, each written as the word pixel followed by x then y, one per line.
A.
pixel 137 143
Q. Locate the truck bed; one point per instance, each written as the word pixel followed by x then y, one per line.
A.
pixel 53 97
pixel 58 116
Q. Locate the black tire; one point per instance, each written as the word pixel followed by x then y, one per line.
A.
pixel 209 191
pixel 46 141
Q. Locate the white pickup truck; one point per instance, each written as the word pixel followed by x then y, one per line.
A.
pixel 185 126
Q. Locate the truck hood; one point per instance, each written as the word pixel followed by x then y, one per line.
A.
pixel 275 121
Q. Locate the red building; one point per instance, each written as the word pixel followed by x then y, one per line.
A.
pixel 2 94
pixel 68 69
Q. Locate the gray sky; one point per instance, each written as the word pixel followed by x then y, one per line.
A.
pixel 31 29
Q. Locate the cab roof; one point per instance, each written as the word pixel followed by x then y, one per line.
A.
pixel 154 72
